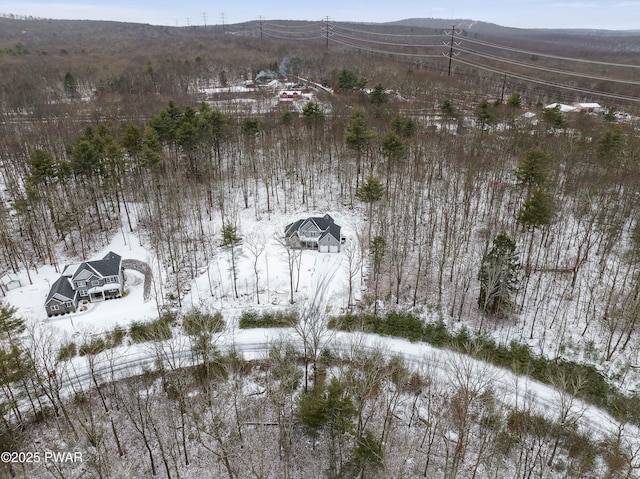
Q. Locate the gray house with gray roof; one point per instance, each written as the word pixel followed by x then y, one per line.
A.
pixel 318 232
pixel 62 298
pixel 92 281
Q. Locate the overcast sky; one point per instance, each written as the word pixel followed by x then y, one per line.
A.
pixel 612 15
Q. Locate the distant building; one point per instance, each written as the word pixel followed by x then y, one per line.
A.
pixel 91 280
pixel 588 107
pixel 561 107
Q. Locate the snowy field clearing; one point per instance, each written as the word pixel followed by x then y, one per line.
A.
pixel 322 278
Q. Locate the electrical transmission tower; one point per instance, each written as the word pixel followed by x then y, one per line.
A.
pixel 451 44
pixel 326 34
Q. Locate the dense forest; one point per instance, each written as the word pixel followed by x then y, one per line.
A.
pixel 510 226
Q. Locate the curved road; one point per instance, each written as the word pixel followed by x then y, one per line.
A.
pixel 509 388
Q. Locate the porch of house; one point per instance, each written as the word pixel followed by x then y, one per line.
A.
pixel 102 293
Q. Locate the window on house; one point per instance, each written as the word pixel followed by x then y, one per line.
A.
pixel 81 284
pixel 84 293
pixel 55 307
pixel 67 304
pixel 111 279
pixel 95 282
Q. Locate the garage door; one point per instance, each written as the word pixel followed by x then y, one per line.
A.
pixel 333 248
pixel 324 248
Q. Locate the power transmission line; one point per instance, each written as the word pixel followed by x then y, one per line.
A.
pixel 547 69
pixel 308 25
pixel 377 42
pixel 546 55
pixel 547 82
pixel 385 52
pixel 355 38
pixel 412 35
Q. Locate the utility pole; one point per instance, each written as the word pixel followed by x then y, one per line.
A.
pixel 222 18
pixel 260 18
pixel 204 19
pixel 453 32
pixel 451 43
pixel 327 30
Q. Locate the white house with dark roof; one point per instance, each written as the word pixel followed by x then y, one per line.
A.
pixel 318 232
pixel 92 280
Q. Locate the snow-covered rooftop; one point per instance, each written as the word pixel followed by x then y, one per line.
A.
pixel 562 107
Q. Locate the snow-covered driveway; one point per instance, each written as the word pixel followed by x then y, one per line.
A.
pixel 327 281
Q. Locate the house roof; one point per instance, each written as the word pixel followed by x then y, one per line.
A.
pixel 324 223
pixel 333 230
pixel 563 108
pixel 61 290
pixel 292 228
pixel 588 105
pixel 69 270
pixel 84 271
pixel 108 266
pixel 8 278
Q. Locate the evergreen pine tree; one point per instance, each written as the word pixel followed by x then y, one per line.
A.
pixel 231 241
pixel 532 168
pixel 553 117
pixel 484 116
pixel 357 138
pixel 370 191
pixel 378 96
pixel 537 208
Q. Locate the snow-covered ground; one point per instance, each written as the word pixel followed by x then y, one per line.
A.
pixel 322 274
pixel 323 283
